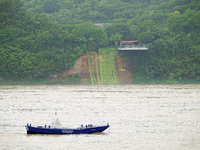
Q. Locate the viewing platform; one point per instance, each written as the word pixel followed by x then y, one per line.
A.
pixel 131 46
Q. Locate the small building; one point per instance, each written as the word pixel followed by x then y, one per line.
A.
pixel 102 24
pixel 128 43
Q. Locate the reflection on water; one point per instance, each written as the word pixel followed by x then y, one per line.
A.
pixel 158 117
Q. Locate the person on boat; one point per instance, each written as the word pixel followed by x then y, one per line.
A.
pixel 56 122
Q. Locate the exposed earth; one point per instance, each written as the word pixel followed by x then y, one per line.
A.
pixel 81 67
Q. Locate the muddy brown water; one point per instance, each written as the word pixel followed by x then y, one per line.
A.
pixel 146 117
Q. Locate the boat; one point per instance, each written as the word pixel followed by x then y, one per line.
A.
pixel 57 128
pixel 88 129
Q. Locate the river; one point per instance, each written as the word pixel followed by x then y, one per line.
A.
pixel 141 117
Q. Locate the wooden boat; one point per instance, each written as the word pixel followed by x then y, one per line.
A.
pixel 49 130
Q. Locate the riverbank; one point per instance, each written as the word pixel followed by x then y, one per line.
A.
pixel 72 81
pixel 79 75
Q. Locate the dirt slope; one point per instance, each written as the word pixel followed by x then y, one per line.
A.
pixel 81 67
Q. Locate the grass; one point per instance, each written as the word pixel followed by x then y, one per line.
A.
pixel 105 68
pixel 92 76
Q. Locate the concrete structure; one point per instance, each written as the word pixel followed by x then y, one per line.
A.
pixel 131 45
pixel 102 24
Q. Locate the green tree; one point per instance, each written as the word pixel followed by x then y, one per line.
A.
pixel 95 37
pixel 116 38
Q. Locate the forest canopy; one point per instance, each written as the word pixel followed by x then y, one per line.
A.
pixel 42 37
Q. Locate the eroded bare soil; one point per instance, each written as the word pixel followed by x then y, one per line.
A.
pixel 81 67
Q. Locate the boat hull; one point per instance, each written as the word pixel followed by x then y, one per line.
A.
pixel 85 130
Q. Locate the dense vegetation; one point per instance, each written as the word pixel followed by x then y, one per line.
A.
pixel 42 37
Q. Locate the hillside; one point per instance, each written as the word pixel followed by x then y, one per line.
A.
pixel 81 68
pixel 41 38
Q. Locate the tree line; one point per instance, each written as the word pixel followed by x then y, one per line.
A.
pixel 42 37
